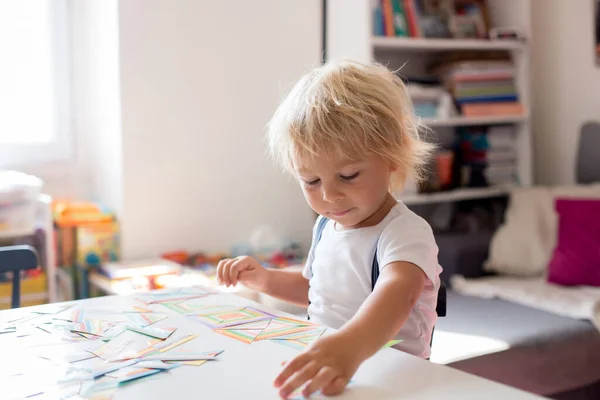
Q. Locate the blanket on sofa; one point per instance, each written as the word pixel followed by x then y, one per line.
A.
pixel 582 302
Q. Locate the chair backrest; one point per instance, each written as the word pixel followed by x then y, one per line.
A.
pixel 16 259
pixel 588 168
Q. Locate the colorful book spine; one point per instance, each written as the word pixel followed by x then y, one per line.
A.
pixel 487 99
pixel 492 109
pixel 378 21
pixel 400 24
pixel 388 18
pixel 412 18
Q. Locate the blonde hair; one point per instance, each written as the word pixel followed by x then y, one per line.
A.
pixel 349 109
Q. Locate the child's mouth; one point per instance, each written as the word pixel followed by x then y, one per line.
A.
pixel 341 213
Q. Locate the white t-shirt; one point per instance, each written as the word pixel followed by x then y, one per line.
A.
pixel 339 270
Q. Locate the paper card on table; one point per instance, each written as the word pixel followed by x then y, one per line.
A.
pixel 165 346
pixel 67 353
pixel 125 346
pixel 155 364
pixel 75 315
pixel 195 363
pixel 311 333
pixel 52 308
pixel 243 335
pixel 113 332
pixel 94 369
pixel 281 327
pixel 230 318
pixel 176 356
pixel 391 343
pixel 132 372
pixel 145 319
pixel 91 326
pixel 138 309
pixel 159 333
pixel 185 308
pixel 8 329
pixel 176 295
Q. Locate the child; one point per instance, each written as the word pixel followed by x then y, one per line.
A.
pixel 347 133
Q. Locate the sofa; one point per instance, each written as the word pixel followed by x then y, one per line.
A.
pixel 516 345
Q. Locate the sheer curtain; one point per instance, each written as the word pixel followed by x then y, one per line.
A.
pixel 34 82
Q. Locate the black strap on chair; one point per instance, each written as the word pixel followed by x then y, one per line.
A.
pixel 16 259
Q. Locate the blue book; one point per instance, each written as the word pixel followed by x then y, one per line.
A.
pixel 378 21
pixel 487 99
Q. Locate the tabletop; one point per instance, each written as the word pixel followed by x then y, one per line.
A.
pixel 94 348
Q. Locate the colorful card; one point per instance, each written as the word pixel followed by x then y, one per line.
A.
pixel 155 364
pixel 159 333
pixel 177 356
pixel 52 308
pixel 145 319
pixel 126 346
pixel 243 335
pixel 233 317
pixel 284 326
pixel 94 327
pixel 173 296
pixel 131 373
pixel 195 363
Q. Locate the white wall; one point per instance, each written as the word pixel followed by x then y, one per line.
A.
pixel 96 100
pixel 566 84
pixel 199 81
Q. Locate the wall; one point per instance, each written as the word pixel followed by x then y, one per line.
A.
pixel 199 81
pixel 566 85
pixel 96 100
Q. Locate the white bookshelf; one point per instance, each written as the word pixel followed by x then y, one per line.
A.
pixel 350 35
pixel 419 44
pixel 469 121
pixel 455 195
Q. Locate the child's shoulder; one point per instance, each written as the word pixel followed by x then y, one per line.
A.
pixel 402 222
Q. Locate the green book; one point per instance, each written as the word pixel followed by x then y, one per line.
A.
pixel 400 25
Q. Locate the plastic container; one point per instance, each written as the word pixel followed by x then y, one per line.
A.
pixel 19 193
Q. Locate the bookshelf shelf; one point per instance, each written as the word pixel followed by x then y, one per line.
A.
pixel 445 82
pixel 403 43
pixel 470 121
pixel 456 195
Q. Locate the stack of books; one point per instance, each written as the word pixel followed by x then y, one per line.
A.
pixel 431 18
pixel 482 87
pixel 501 157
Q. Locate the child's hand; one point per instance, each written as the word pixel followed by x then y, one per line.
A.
pixel 328 365
pixel 245 270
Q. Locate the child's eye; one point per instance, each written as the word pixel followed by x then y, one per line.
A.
pixel 350 177
pixel 312 183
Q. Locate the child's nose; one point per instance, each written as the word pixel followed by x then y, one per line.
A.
pixel 331 193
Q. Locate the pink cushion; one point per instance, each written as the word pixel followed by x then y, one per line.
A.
pixel 576 258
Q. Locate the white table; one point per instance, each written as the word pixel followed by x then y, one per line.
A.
pixel 248 370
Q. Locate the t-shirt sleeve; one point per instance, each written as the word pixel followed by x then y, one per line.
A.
pixel 307 271
pixel 409 238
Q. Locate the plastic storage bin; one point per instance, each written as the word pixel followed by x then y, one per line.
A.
pixel 19 193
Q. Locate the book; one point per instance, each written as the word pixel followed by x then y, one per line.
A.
pixel 125 270
pixel 388 18
pixel 400 23
pixel 492 109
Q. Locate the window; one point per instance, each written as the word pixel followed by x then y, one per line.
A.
pixel 34 82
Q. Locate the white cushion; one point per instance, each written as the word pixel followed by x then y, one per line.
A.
pixel 523 245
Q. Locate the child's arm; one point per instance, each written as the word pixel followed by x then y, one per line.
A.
pixel 331 361
pixel 289 286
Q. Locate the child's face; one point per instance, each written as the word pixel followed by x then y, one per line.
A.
pixel 346 192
